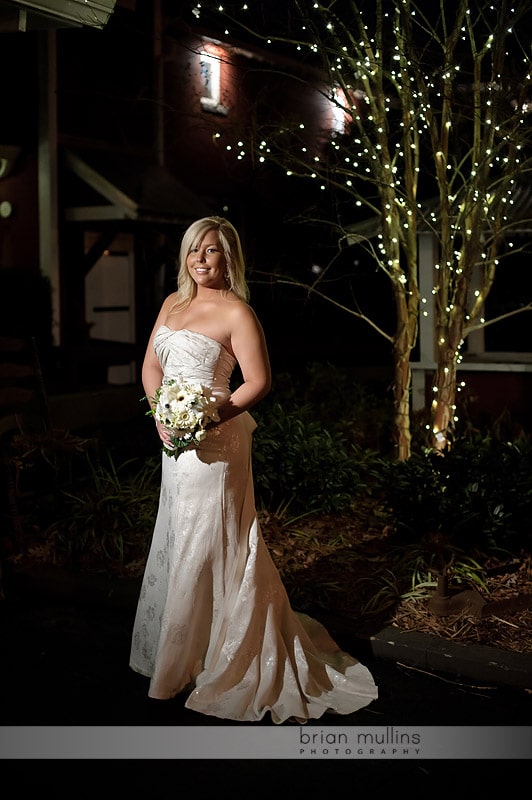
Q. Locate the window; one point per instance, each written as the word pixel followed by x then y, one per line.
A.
pixel 210 77
pixel 339 103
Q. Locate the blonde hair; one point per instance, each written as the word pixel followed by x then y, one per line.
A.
pixel 234 259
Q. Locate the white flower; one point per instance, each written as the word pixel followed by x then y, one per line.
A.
pixel 185 409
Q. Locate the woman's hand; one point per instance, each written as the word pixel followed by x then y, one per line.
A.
pixel 164 434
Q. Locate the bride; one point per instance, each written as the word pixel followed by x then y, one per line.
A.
pixel 213 618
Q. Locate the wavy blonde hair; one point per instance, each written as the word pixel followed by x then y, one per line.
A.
pixel 234 259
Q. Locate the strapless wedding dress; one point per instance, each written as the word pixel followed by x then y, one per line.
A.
pixel 213 617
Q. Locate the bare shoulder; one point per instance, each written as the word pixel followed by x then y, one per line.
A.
pixel 167 308
pixel 241 313
pixel 169 301
pixel 247 335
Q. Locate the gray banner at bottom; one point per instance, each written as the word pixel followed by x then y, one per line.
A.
pixel 283 742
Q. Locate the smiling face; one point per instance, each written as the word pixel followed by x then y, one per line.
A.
pixel 206 262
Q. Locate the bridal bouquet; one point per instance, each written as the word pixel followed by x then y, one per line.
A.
pixel 186 409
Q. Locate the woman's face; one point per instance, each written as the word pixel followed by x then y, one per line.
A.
pixel 206 262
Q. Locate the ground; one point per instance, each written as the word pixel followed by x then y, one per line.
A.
pixel 340 564
pixel 329 560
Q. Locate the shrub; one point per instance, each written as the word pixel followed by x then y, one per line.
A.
pixel 296 460
pixel 477 495
pixel 108 522
pixel 342 403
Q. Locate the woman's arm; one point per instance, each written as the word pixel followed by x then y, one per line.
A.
pixel 249 346
pixel 152 373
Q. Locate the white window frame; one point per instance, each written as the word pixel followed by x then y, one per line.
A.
pixel 211 80
pixel 338 111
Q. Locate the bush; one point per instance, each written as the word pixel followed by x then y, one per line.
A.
pixel 297 461
pixel 106 523
pixel 477 495
pixel 334 397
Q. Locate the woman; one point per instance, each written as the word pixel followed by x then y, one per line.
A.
pixel 213 617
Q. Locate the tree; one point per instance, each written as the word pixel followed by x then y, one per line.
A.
pixel 436 105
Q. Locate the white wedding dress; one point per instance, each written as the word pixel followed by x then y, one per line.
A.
pixel 213 617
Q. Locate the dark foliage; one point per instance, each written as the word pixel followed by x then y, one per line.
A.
pixel 297 461
pixel 477 494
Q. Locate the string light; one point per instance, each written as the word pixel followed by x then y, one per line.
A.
pixel 473 196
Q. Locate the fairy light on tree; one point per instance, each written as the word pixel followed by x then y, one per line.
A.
pixel 436 104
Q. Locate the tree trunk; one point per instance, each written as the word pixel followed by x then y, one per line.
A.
pixel 443 404
pixel 401 395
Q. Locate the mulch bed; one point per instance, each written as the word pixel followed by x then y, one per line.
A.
pixel 326 560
